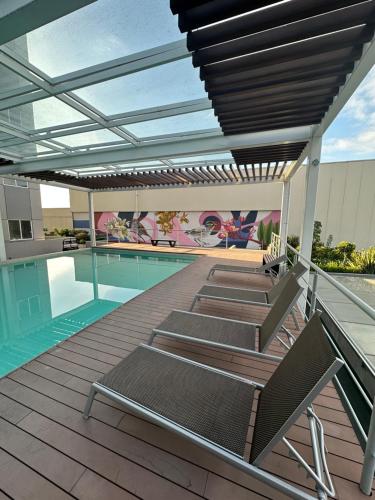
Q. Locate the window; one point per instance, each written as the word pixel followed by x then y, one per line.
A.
pixel 15 182
pixel 20 229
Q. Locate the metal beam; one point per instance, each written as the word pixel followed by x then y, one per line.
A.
pixel 284 215
pixel 92 218
pixel 163 150
pixel 18 17
pixel 142 115
pixel 360 71
pixel 92 75
pixel 311 187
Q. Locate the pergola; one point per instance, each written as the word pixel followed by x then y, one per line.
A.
pixel 275 73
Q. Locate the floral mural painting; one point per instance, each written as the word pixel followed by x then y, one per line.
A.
pixel 165 220
pixel 241 228
pixel 118 228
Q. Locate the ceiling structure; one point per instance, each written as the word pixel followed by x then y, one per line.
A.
pixel 194 175
pixel 275 74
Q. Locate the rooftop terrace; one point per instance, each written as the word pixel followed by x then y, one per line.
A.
pixel 118 455
pixel 199 93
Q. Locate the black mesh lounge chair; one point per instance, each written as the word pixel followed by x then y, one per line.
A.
pixel 265 269
pixel 237 336
pixel 251 297
pixel 212 408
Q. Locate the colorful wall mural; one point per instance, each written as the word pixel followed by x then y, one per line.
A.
pixel 244 229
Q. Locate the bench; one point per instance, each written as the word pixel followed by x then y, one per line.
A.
pixel 267 258
pixel 70 244
pixel 172 243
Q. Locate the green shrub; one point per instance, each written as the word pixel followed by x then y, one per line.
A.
pixel 346 248
pixel 317 232
pixel 364 260
pixel 321 253
pixel 293 241
pixel 64 231
pixel 333 266
pixel 268 233
pixel 82 236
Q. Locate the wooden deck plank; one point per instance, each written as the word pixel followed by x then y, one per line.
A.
pixel 120 455
pixel 20 482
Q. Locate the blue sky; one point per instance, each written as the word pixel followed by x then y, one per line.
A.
pixel 109 29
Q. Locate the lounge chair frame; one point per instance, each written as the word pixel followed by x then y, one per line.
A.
pixel 232 458
pixel 210 343
pixel 264 270
pixel 198 296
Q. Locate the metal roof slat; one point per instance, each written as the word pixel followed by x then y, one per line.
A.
pixel 275 170
pixel 218 171
pixel 265 19
pixel 319 45
pixel 308 27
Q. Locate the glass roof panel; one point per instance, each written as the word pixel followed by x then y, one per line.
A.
pixel 165 84
pixel 222 155
pixel 87 138
pixel 40 114
pixel 101 31
pixel 10 80
pixel 199 120
pixel 139 164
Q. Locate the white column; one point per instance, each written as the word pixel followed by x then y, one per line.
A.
pixel 3 254
pixel 284 215
pixel 92 218
pixel 311 187
pixel 307 230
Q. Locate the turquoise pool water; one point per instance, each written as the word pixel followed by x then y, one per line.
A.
pixel 46 300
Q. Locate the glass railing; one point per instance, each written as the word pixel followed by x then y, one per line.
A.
pixel 349 321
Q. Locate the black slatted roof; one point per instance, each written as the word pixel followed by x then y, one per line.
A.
pixel 4 161
pixel 279 152
pixel 278 64
pixel 197 175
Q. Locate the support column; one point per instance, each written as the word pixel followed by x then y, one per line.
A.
pixel 92 218
pixel 311 187
pixel 3 254
pixel 307 230
pixel 284 216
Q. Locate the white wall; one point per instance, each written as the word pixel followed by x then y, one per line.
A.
pixel 345 201
pixel 241 197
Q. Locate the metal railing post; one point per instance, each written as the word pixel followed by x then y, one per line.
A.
pixel 368 468
pixel 313 294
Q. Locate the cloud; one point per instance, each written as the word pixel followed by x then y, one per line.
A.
pixel 362 104
pixel 360 144
pixel 353 133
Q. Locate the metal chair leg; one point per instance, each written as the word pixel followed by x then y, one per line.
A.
pixel 151 339
pixel 193 303
pixel 292 312
pixel 90 400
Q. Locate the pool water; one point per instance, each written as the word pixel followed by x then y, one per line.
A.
pixel 46 300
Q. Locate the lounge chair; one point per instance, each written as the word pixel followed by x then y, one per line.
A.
pixel 265 269
pixel 251 297
pixel 212 408
pixel 237 336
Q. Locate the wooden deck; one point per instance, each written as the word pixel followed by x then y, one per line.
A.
pixel 47 451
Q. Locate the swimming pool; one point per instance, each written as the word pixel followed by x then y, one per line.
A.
pixel 46 300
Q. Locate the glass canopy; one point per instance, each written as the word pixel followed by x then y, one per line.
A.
pixel 114 73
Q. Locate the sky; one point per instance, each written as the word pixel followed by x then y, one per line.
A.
pixel 108 29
